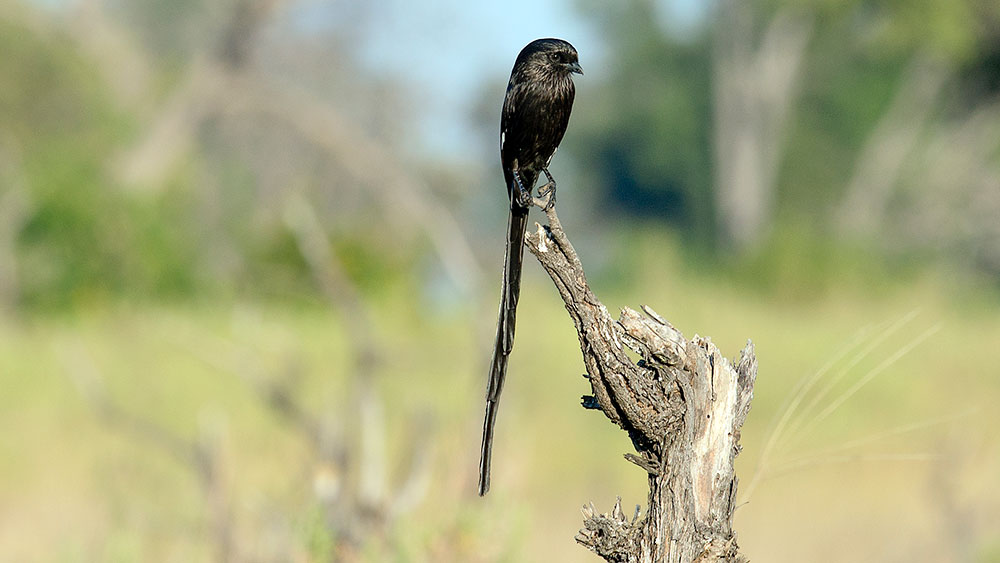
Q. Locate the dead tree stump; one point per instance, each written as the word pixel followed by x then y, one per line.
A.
pixel 682 406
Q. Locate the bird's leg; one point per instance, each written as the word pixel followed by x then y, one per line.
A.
pixel 547 191
pixel 523 196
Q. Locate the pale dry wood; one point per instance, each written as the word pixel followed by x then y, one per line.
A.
pixel 682 405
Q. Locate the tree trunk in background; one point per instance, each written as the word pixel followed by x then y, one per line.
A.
pixel 894 138
pixel 754 87
pixel 15 210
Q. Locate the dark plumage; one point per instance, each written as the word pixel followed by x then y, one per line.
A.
pixel 535 113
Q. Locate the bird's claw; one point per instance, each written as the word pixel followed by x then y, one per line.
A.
pixel 523 196
pixel 546 196
pixel 546 199
pixel 547 191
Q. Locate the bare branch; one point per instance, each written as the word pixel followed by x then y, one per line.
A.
pixel 223 82
pixel 342 296
pixel 374 504
pixel 202 455
pixel 367 161
pixel 682 406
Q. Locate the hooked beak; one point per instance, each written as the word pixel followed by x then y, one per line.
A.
pixel 574 67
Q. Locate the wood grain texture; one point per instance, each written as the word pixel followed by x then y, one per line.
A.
pixel 682 405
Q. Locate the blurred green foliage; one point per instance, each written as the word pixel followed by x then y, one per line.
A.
pixel 74 486
pixel 648 134
pixel 125 494
pixel 81 234
pixel 647 139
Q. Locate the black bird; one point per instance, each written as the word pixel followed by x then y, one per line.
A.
pixel 535 113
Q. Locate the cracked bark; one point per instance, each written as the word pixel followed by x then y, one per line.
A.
pixel 682 405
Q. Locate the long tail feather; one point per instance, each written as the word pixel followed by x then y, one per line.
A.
pixel 510 290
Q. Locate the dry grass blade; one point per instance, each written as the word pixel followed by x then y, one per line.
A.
pixel 813 461
pixel 837 453
pixel 835 404
pixel 791 406
pixel 795 432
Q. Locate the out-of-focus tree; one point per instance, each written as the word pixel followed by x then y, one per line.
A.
pixel 646 135
pixel 66 234
pixel 271 111
pixel 148 149
pixel 823 113
pixel 928 173
pixel 755 82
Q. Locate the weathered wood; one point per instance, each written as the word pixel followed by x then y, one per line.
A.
pixel 682 406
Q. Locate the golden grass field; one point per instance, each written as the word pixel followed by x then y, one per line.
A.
pixel 904 469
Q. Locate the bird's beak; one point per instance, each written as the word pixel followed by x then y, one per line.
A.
pixel 575 67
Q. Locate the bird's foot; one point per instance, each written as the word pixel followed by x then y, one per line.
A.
pixel 547 192
pixel 546 196
pixel 523 196
pixel 524 199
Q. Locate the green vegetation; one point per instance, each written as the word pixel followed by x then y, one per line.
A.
pixel 181 368
pixel 164 304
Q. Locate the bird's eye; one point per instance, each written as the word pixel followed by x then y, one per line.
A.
pixel 555 57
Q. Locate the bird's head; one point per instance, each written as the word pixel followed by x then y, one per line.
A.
pixel 549 56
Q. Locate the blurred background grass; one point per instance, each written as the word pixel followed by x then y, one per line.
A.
pixel 249 252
